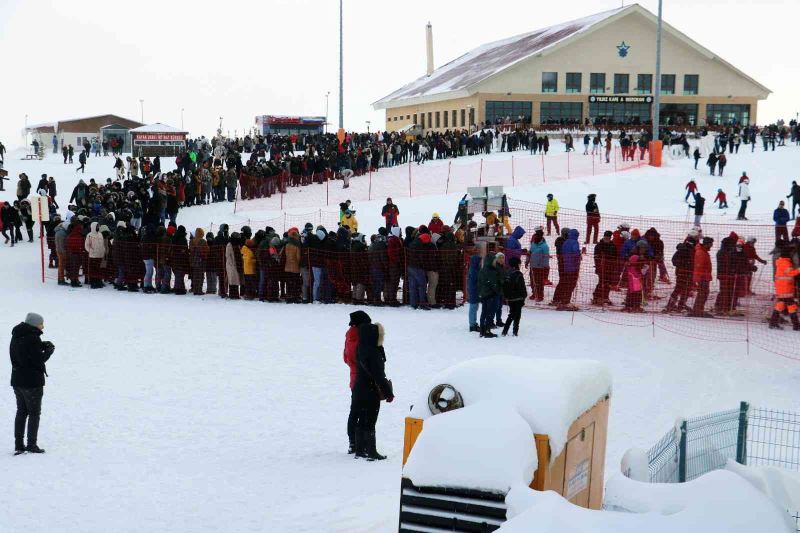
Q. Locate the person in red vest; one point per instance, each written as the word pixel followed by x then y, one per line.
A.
pixel 390 214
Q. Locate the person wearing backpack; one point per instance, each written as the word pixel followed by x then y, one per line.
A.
pixel 370 388
pixel 683 261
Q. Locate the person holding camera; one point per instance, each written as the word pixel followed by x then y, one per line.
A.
pixel 28 357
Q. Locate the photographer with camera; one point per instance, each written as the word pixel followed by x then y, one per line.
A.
pixel 28 357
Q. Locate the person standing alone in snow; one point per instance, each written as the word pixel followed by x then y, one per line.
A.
pixel 28 357
pixel 744 197
pixel 370 388
pixel 357 318
pixel 794 194
pixel 699 205
pixel 691 189
pixel 551 213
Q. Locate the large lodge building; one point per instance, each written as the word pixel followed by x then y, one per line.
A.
pixel 599 68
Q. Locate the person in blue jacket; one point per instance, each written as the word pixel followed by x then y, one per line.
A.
pixel 473 295
pixel 513 247
pixel 539 263
pixel 571 252
pixel 781 217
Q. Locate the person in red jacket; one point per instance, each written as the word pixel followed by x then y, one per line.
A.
pixel 75 250
pixel 702 277
pixel 436 225
pixel 691 189
pixel 394 253
pixel 350 346
pixel 390 214
pixel 722 198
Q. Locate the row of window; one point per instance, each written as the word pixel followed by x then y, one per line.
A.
pixel 572 112
pixel 597 83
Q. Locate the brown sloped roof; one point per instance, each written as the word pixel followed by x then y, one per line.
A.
pixel 85 125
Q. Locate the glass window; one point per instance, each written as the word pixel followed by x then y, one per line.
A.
pixel 422 119
pixel 627 113
pixel 549 82
pixel 597 83
pixel 574 80
pixel 463 117
pixel 679 114
pixel 644 84
pixel 498 112
pixel 453 118
pixel 446 119
pixel 668 84
pixel 621 83
pixel 430 119
pixel 438 116
pixel 415 118
pixel 728 114
pixel 561 112
pixel 691 84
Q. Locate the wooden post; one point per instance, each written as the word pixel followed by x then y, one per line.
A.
pixel 544 180
pixel 447 186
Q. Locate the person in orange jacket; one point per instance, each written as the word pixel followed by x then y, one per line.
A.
pixel 702 277
pixel 785 289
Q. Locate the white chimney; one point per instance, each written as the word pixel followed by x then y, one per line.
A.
pixel 429 47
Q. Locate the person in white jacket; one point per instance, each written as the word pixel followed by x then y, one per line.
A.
pixel 231 267
pixel 95 246
pixel 744 197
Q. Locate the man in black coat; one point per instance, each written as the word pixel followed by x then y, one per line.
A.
pixel 683 260
pixel 370 387
pixel 28 356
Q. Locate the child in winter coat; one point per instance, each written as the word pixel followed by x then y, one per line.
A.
pixel 634 271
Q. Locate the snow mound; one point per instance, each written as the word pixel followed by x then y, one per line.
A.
pixel 718 501
pixel 480 446
pixel 548 394
pixel 782 485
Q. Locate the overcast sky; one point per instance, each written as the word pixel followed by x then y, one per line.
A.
pixel 238 59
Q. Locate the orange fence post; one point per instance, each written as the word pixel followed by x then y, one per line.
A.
pixel 656 148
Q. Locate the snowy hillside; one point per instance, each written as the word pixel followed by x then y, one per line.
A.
pixel 165 413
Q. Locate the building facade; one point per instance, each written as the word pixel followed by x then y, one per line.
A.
pixel 289 125
pixel 76 131
pixel 598 69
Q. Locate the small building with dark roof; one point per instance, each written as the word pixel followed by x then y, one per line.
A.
pixel 75 131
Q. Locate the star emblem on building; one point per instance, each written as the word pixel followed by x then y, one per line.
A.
pixel 623 49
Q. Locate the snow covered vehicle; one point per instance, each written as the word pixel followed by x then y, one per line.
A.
pixel 493 423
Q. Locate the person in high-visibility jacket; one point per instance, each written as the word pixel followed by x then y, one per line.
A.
pixel 785 273
pixel 551 213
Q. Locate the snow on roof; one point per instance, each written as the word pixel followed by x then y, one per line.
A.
pixel 156 128
pixel 548 394
pixel 499 440
pixel 491 58
pixel 717 501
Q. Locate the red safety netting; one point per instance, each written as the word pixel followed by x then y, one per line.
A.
pixel 432 178
pixel 740 299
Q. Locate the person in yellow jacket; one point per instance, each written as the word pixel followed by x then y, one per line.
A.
pixel 250 267
pixel 349 219
pixel 551 214
pixel 785 273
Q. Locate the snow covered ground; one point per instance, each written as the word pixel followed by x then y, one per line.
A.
pixel 197 414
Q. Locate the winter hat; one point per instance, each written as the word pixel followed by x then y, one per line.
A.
pixel 382 231
pixel 642 244
pixel 734 236
pixel 308 227
pixel 359 317
pixel 395 231
pixel 435 238
pixel 121 224
pixel 607 233
pixel 499 256
pixel 514 262
pixel 276 241
pixel 425 238
pixel 321 234
pixel 171 230
pixel 34 319
pixel 708 240
pixel 694 233
pixel 625 235
pixel 293 230
pixel 435 215
pixel 423 229
pixel 104 229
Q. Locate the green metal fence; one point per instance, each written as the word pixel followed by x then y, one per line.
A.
pixel 748 435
